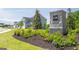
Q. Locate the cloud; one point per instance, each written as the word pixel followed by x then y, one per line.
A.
pixel 8 21
pixel 7 17
pixel 5 14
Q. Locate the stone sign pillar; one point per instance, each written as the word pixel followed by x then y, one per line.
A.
pixel 58 21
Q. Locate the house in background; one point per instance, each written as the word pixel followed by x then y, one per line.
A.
pixel 1 24
pixel 43 21
pixel 27 22
pixel 16 25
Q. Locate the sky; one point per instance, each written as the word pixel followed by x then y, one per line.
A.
pixel 10 15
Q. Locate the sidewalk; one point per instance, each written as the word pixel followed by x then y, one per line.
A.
pixel 3 30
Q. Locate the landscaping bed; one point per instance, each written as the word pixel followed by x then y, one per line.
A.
pixel 39 41
pixel 42 38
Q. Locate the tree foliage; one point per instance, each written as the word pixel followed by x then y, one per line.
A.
pixel 20 24
pixel 76 18
pixel 70 21
pixel 37 21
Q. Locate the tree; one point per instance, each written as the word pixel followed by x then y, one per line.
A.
pixel 76 17
pixel 70 20
pixel 37 21
pixel 20 24
pixel 47 26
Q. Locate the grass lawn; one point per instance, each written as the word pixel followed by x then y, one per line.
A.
pixel 11 43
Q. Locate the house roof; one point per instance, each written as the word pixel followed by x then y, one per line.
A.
pixel 31 18
pixel 26 18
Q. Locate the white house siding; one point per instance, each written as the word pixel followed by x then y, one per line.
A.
pixel 26 22
pixel 43 21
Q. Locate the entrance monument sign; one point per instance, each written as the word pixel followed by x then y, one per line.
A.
pixel 58 21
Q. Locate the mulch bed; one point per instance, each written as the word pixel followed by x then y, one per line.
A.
pixel 39 41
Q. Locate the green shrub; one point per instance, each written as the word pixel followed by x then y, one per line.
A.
pixel 30 32
pixel 33 32
pixel 50 38
pixel 40 32
pixel 21 32
pixel 43 33
pixel 77 30
pixel 58 39
pixel 70 41
pixel 60 43
pixel 17 32
pixel 55 36
pixel 27 33
pixel 47 30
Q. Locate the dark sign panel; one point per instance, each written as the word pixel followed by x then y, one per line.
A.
pixel 55 17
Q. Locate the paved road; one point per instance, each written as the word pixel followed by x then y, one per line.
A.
pixel 3 30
